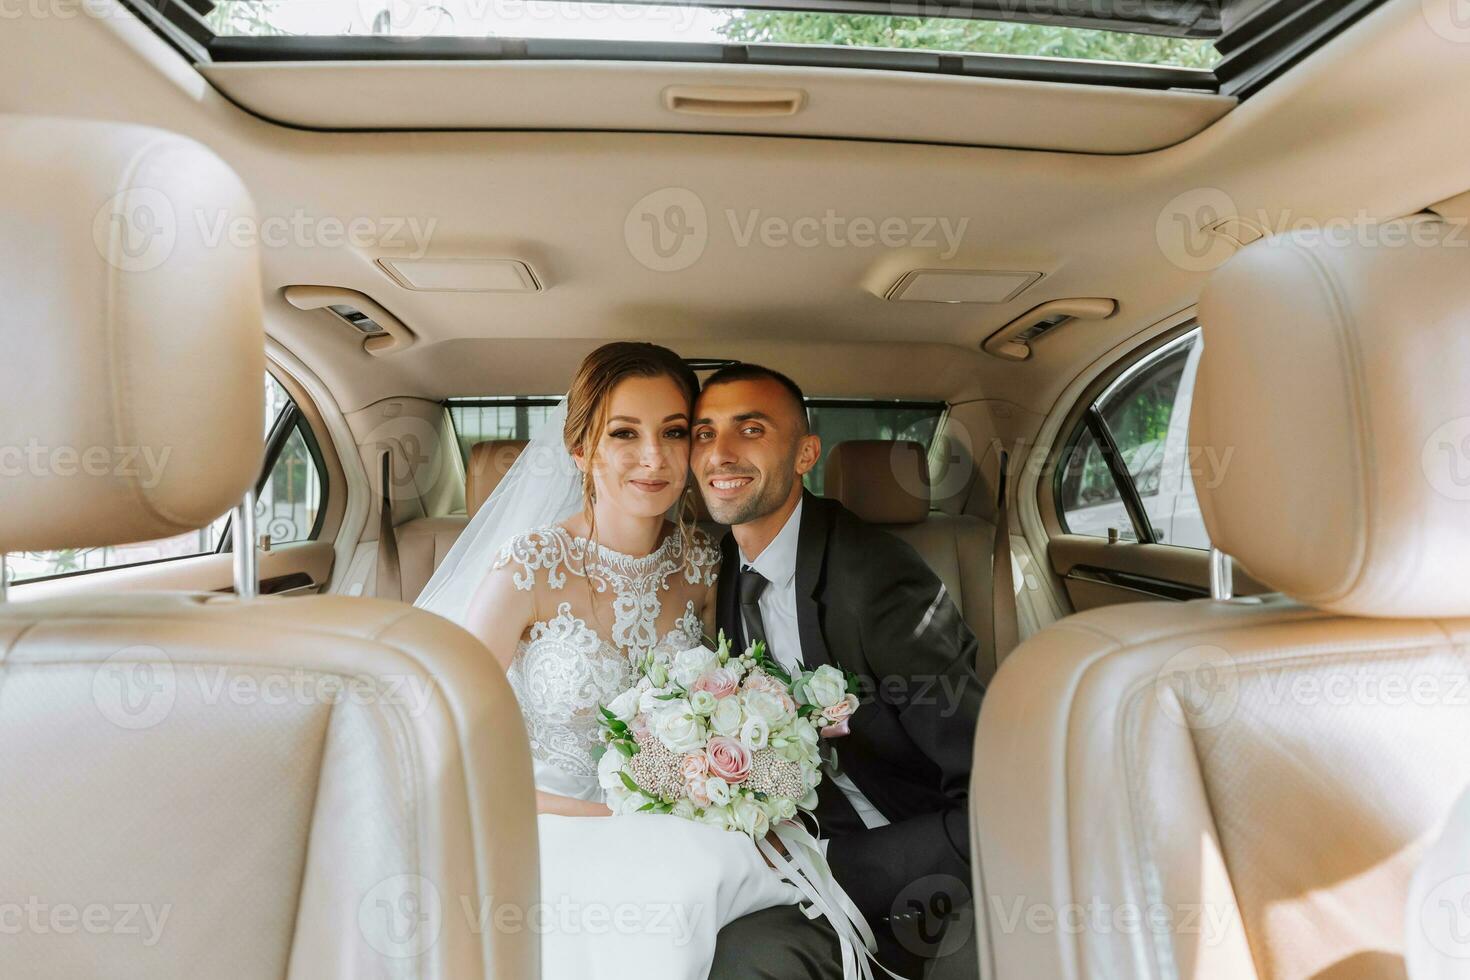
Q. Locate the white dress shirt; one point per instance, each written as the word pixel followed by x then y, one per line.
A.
pixel 777 565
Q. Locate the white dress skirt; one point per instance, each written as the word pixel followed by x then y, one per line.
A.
pixel 644 895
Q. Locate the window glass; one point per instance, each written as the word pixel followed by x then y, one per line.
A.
pixel 1089 497
pixel 839 421
pixel 835 420
pixel 1146 412
pixel 306 491
pixel 288 503
pixel 481 419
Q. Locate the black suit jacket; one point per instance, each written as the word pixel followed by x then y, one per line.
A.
pixel 868 603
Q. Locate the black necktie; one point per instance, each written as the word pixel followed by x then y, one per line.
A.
pixel 752 584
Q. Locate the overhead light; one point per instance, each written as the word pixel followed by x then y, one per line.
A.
pixel 357 319
pixel 462 275
pixel 960 286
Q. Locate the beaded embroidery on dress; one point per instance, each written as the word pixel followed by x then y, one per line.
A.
pixel 568 664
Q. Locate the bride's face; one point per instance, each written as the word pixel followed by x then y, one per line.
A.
pixel 641 461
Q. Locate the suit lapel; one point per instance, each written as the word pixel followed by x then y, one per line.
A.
pixel 811 552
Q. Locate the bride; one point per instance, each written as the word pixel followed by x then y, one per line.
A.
pixel 570 573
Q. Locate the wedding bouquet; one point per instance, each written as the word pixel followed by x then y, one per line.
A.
pixel 732 741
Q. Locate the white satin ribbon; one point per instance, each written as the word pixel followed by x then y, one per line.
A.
pixel 808 870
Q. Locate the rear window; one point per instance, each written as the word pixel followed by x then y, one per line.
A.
pixel 833 419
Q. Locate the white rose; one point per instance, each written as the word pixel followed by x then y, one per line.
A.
pixel 609 766
pixel 625 705
pixel 755 733
pixel 725 719
pixel 768 707
pixel 703 702
pixel 749 818
pixel 784 809
pixel 718 790
pixel 690 665
pixel 716 816
pixel 826 686
pixel 650 703
pixel 678 728
pixel 684 807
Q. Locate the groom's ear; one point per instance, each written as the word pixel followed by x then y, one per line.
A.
pixel 808 451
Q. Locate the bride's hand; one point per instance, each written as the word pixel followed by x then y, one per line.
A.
pixel 567 806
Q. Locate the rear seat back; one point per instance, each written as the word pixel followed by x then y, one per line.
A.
pixel 886 482
pixel 423 543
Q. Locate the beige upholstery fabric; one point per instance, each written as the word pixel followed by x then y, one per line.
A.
pixel 422 545
pixel 1264 775
pixel 137 340
pixel 1244 789
pixel 1336 377
pixel 883 481
pixel 283 779
pixel 197 785
pixel 489 462
pixel 886 482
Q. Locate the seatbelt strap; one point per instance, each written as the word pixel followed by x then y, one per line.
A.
pixel 390 578
pixel 1002 581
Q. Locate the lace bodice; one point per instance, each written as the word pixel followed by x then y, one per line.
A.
pixel 605 610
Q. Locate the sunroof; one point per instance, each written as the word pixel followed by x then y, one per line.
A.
pixel 1234 47
pixel 685 23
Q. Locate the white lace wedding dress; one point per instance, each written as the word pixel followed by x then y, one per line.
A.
pixel 639 895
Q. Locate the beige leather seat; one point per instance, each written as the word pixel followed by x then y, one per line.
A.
pixel 886 482
pixel 423 542
pixel 1243 789
pixel 198 785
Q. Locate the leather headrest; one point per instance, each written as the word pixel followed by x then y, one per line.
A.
pixel 489 462
pixel 134 361
pixel 1334 391
pixel 883 481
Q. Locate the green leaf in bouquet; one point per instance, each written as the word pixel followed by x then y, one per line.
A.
pixel 598 751
pixel 634 787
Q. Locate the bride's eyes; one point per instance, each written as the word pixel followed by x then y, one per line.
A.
pixel 677 432
pixel 622 434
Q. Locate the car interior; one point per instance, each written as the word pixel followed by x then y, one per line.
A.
pixel 1146 325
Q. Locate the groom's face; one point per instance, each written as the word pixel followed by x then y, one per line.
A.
pixel 750 449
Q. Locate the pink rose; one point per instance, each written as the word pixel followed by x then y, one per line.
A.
pixel 728 759
pixel 759 681
pixel 695 789
pixel 721 682
pixel 837 716
pixel 695 767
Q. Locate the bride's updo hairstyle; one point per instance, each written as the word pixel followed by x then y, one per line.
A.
pixel 590 398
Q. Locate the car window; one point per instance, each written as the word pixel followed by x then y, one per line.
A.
pixel 286 508
pixel 835 420
pixel 1144 416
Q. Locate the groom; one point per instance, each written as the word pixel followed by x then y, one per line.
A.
pixel 820 586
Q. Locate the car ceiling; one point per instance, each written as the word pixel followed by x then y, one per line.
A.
pixel 1373 124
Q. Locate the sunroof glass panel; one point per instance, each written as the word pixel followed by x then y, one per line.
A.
pixel 577 20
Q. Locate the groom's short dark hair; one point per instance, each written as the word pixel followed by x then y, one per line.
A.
pixel 755 372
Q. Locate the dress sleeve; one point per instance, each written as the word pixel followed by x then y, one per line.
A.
pixel 528 552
